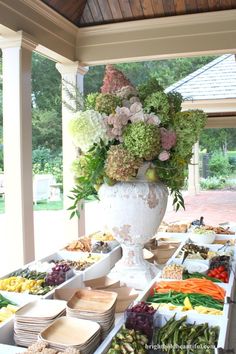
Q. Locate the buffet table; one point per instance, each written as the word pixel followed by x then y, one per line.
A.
pixel 10 349
pixel 226 322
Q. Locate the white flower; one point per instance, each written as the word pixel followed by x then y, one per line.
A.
pixel 136 107
pixel 88 128
pixel 152 119
pixel 123 111
pixel 134 99
pixel 137 117
pixel 126 91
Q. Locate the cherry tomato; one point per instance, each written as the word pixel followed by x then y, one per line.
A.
pixel 224 274
pixel 221 268
pixel 217 276
pixel 213 272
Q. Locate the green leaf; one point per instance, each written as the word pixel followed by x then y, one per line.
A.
pixel 72 215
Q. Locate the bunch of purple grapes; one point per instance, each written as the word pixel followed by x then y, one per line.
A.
pixel 57 275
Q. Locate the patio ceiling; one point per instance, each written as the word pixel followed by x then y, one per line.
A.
pixel 97 12
pixel 132 36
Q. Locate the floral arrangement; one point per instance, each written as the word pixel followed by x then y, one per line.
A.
pixel 122 127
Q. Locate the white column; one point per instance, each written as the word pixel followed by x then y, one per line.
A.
pixel 193 172
pixel 72 77
pixel 18 240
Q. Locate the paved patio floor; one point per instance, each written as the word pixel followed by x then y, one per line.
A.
pixel 215 206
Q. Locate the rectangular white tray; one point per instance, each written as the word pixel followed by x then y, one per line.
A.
pixel 98 269
pixel 161 319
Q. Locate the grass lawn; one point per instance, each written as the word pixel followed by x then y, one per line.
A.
pixel 231 153
pixel 44 205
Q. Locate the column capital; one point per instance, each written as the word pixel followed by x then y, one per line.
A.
pixel 19 39
pixel 71 68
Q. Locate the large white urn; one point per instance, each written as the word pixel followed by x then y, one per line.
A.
pixel 132 212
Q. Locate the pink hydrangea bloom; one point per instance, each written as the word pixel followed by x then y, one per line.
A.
pixel 164 155
pixel 152 119
pixel 116 122
pixel 168 138
pixel 114 80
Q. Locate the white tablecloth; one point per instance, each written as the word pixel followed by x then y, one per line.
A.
pixel 8 349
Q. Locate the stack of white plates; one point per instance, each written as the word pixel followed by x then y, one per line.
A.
pixel 32 318
pixel 94 305
pixel 72 332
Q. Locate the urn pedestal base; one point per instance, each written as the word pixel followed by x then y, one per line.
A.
pixel 132 269
pixel 132 212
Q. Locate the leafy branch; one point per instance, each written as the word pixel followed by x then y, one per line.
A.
pixel 178 200
pixel 74 96
pixel 91 173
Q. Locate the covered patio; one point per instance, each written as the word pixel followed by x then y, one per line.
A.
pixel 76 36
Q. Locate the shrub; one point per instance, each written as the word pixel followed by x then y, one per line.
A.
pixel 45 162
pixel 1 158
pixel 41 156
pixel 219 165
pixel 212 183
pixel 232 162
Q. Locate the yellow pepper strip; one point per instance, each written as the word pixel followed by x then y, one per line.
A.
pixel 208 310
pixel 187 304
pixel 7 312
pixel 19 284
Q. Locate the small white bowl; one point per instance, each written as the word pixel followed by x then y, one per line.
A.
pixel 202 238
pixel 193 267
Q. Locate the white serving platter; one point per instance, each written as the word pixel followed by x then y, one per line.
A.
pixel 6 327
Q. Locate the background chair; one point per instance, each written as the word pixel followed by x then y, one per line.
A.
pixel 41 187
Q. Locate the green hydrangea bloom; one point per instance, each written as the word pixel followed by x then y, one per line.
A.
pixel 142 140
pixel 107 103
pixel 175 101
pixel 90 100
pixel 158 103
pixel 188 126
pixel 148 88
pixel 79 167
pixel 121 165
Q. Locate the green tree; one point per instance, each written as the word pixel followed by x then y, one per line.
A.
pixel 219 165
pixel 218 139
pixel 166 71
pixel 46 84
pixel 46 101
pixel 46 129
